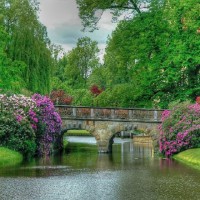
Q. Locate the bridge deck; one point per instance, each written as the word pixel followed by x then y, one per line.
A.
pixel 109 114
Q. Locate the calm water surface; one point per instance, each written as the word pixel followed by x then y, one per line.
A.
pixel 132 172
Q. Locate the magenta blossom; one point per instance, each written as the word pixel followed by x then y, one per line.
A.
pixel 49 118
pixel 180 129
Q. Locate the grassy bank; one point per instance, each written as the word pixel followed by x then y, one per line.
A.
pixel 77 133
pixel 9 157
pixel 190 157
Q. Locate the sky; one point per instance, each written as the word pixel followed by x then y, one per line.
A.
pixel 64 25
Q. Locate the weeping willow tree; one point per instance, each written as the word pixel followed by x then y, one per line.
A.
pixel 10 72
pixel 28 43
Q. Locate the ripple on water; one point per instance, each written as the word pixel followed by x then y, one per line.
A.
pixel 131 175
pixel 46 167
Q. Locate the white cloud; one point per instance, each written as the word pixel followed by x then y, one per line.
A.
pixel 64 25
pixel 56 12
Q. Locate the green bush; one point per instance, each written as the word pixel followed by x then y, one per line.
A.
pixel 82 97
pixel 121 95
pixel 15 135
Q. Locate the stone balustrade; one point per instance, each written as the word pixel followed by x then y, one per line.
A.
pixel 108 114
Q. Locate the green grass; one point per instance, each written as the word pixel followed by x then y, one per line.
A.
pixel 81 148
pixel 9 157
pixel 190 157
pixel 65 143
pixel 77 133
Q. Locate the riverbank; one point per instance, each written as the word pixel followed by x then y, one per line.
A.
pixel 9 157
pixel 77 133
pixel 190 157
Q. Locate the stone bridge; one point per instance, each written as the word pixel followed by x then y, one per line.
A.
pixel 104 123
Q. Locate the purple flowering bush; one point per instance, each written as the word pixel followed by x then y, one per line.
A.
pixel 50 123
pixel 28 125
pixel 180 129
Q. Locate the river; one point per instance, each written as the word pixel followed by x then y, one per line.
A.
pixel 131 172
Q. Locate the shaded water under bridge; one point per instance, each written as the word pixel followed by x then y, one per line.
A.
pixel 104 123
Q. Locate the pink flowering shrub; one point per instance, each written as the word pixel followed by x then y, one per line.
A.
pixel 16 133
pixel 180 129
pixel 20 106
pixel 37 114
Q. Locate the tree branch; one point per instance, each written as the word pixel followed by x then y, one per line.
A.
pixel 135 6
pixel 124 7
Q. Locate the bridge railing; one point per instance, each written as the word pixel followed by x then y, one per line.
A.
pixel 119 114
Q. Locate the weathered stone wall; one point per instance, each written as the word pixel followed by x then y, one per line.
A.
pixel 104 131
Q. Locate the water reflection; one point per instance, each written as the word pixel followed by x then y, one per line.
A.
pixel 130 172
pixel 84 156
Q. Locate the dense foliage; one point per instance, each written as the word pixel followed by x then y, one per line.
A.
pixel 26 60
pixel 28 125
pixel 10 71
pixel 74 73
pixel 156 55
pixel 151 58
pixel 81 60
pixel 180 129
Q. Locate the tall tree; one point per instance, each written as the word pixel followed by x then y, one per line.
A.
pixel 158 53
pixel 11 72
pixel 28 42
pixel 59 71
pixel 81 61
pixel 185 22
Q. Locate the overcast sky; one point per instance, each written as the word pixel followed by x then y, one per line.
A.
pixel 64 25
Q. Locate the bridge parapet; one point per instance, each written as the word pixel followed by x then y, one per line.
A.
pixel 108 114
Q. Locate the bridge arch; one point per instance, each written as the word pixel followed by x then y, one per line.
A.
pixel 104 123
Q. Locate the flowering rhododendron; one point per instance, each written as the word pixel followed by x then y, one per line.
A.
pixel 51 120
pixel 21 106
pixel 39 113
pixel 165 114
pixel 33 119
pixel 19 118
pixel 180 129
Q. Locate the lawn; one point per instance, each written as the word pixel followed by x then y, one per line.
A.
pixel 190 157
pixel 9 157
pixel 77 133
